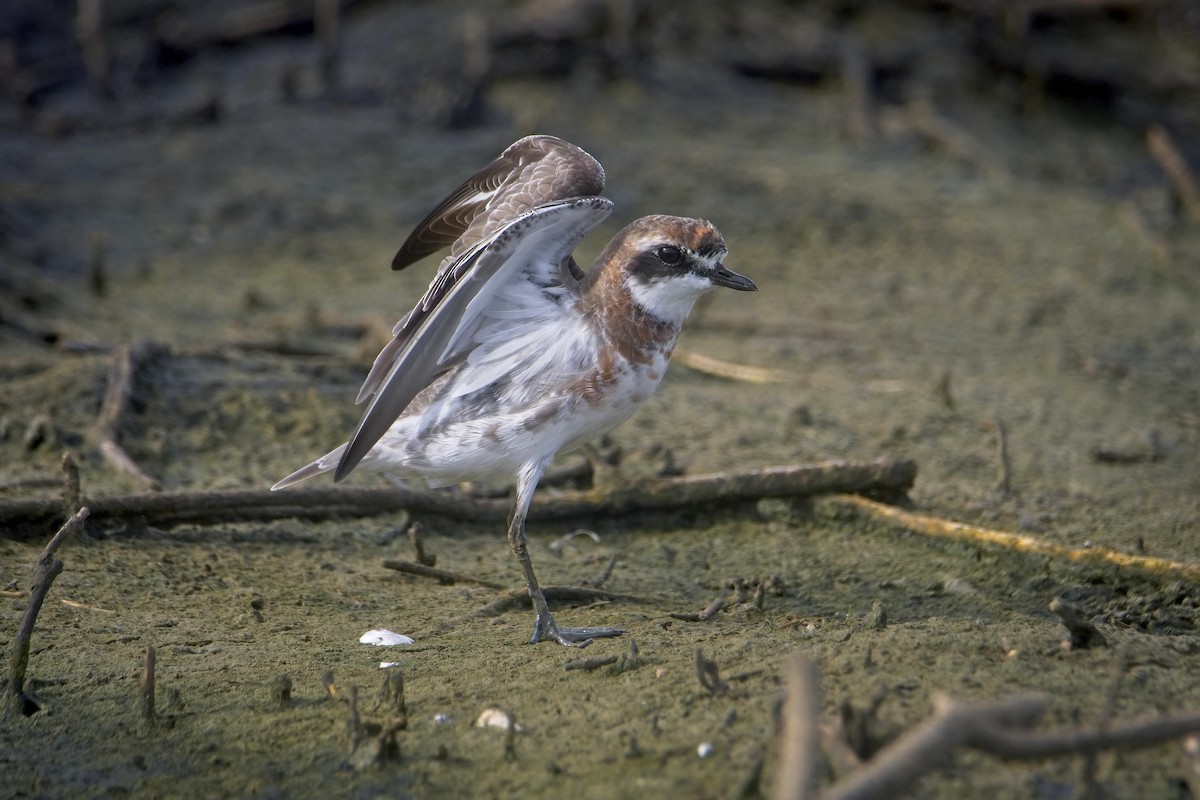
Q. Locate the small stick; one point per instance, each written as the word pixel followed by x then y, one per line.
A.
pixel 957 531
pixel 716 605
pixel 97 272
pixel 39 431
pixel 944 391
pixel 1164 151
pixel 44 573
pixel 589 664
pixel 71 488
pixel 147 693
pixel 700 616
pixel 748 786
pixel 354 725
pixel 416 535
pixel 800 743
pixel 920 750
pixel 1004 479
pixel 117 396
pixel 386 743
pixel 988 728
pixel 510 738
pixel 630 661
pixel 1191 764
pixel 281 691
pixel 728 370
pixel 1088 766
pixel 1142 732
pixel 838 753
pixel 85 606
pixel 1082 631
pixel 391 693
pixel 168 509
pixel 603 577
pixel 443 575
pixel 709 674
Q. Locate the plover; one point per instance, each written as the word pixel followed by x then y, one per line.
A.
pixel 514 353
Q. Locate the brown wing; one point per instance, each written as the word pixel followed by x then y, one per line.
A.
pixel 532 171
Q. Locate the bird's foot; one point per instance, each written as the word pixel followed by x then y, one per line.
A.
pixel 546 628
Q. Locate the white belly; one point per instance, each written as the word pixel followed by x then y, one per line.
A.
pixel 496 444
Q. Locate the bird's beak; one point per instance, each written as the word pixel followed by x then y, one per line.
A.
pixel 725 277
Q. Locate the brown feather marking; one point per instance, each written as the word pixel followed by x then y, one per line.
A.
pixel 593 386
pixel 530 172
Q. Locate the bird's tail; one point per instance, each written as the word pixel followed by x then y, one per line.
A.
pixel 326 463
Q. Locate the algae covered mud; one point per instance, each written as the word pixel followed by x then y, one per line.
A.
pixel 985 274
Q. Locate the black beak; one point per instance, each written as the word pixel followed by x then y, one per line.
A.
pixel 725 277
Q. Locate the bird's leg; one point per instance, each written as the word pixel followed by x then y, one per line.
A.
pixel 544 625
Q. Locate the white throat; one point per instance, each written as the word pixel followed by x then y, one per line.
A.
pixel 669 299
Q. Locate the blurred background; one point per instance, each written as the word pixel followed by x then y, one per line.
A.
pixel 280 97
pixel 975 225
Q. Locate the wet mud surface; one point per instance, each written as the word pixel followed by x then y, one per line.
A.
pixel 921 303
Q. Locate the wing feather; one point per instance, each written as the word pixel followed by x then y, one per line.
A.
pixel 531 172
pixel 437 334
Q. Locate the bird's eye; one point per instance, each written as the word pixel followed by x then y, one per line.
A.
pixel 669 255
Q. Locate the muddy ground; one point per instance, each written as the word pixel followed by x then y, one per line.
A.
pixel 1029 272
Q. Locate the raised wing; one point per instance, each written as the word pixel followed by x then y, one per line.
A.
pixel 531 172
pixel 437 334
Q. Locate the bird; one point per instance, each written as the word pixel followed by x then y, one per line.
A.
pixel 515 353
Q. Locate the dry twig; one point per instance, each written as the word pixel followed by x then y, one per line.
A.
pixel 1082 632
pixel 1183 181
pixel 745 373
pixel 957 531
pixel 700 616
pixel 589 664
pixel 117 396
pixel 799 747
pixel 165 510
pixel 927 746
pixel 998 728
pixel 839 755
pixel 71 490
pixel 443 575
pixel 1003 466
pixel 709 674
pixel 147 688
pixel 46 570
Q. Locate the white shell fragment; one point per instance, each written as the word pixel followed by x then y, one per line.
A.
pixel 496 718
pixel 388 664
pixel 384 638
pixel 442 719
pixel 705 749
